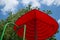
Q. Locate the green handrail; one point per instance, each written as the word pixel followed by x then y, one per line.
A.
pixel 5 30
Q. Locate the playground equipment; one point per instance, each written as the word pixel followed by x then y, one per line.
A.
pixel 38 26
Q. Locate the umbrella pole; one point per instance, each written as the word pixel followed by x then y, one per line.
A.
pixel 24 32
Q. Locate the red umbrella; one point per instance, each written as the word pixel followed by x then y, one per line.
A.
pixel 39 25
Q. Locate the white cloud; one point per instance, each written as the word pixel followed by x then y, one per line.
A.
pixel 9 5
pixel 34 3
pixel 25 2
pixel 38 3
pixel 51 2
pixel 59 21
pixel 57 2
pixel 47 2
pixel 1 2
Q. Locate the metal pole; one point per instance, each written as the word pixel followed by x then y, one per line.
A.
pixel 24 32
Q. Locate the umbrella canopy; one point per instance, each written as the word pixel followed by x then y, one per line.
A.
pixel 39 25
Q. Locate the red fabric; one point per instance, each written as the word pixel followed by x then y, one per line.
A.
pixel 39 25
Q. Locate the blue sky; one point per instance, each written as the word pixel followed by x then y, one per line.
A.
pixel 14 5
